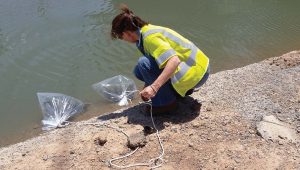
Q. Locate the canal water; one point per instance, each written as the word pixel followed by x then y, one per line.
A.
pixel 63 46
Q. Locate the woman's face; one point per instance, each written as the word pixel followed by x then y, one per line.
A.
pixel 130 36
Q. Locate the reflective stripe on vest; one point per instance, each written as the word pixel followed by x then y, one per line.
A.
pixel 184 66
pixel 165 56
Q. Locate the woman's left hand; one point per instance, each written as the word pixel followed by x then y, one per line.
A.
pixel 148 92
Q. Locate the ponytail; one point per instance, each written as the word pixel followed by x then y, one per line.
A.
pixel 124 8
pixel 125 21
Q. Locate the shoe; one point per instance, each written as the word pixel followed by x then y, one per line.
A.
pixel 156 110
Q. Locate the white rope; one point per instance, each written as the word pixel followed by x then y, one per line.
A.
pixel 152 163
pixel 160 157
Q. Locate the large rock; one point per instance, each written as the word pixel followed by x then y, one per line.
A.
pixel 270 128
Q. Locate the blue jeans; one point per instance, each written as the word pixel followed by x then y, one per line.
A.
pixel 148 71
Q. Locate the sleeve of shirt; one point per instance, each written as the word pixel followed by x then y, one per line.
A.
pixel 160 49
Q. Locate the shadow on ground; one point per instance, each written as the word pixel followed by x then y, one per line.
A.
pixel 188 109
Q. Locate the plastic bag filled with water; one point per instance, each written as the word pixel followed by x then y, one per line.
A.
pixel 57 109
pixel 116 89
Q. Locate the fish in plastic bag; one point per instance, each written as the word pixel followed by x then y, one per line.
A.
pixel 57 109
pixel 118 89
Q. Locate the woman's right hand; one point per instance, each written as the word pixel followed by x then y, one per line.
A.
pixel 147 93
pixel 144 98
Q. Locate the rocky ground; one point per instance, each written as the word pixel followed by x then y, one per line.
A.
pixel 248 118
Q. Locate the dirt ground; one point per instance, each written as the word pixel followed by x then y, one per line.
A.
pixel 214 128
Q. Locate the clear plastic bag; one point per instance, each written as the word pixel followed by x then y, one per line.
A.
pixel 116 89
pixel 57 109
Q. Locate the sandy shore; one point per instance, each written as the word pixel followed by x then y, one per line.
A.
pixel 222 133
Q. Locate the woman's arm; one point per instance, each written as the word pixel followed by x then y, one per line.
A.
pixel 150 91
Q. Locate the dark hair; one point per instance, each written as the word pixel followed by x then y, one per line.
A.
pixel 125 21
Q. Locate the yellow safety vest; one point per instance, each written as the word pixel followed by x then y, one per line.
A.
pixel 163 43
